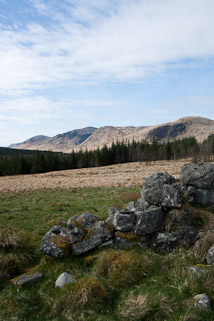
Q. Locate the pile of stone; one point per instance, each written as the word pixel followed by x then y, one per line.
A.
pixel 156 220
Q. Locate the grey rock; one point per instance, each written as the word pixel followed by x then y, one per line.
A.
pixel 160 190
pixel 165 242
pixel 111 211
pixel 99 233
pixel 75 234
pixel 142 204
pixel 210 255
pixel 63 279
pixel 186 235
pixel 204 197
pixel 131 206
pixel 72 219
pixel 202 302
pixel 87 220
pixel 56 242
pixel 26 278
pixel 122 242
pixel 198 175
pixel 196 270
pixel 148 221
pixel 189 194
pixel 124 221
pixel 179 216
pixel 108 244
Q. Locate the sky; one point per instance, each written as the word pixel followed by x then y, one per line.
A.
pixel 71 64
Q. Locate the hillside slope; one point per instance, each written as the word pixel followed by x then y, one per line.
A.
pixel 92 138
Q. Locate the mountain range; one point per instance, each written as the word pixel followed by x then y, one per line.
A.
pixel 92 138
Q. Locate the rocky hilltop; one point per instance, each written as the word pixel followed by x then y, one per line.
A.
pixel 92 138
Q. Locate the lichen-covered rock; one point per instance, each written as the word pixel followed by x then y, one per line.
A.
pixel 210 255
pixel 124 221
pixel 202 302
pixel 84 221
pixel 198 175
pixel 26 278
pixel 130 239
pixel 96 235
pixel 148 222
pixel 197 270
pixel 63 279
pixel 56 242
pixel 158 190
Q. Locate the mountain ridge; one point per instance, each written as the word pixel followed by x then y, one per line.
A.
pixel 92 137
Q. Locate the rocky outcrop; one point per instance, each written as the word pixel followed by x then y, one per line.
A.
pixel 156 220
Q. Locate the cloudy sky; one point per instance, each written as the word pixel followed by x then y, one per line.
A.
pixel 69 64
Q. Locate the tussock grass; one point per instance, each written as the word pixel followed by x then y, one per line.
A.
pixel 88 295
pixel 146 307
pixel 122 268
pixel 112 285
pixel 17 251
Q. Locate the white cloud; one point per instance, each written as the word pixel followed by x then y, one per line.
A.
pixel 101 40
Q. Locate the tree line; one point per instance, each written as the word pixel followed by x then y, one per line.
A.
pixel 118 152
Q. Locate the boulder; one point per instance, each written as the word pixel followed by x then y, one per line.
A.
pixel 26 278
pixel 210 255
pixel 56 242
pixel 96 235
pixel 158 190
pixel 198 175
pixel 202 302
pixel 63 279
pixel 124 221
pixel 148 222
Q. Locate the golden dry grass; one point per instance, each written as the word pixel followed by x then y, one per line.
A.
pixel 129 174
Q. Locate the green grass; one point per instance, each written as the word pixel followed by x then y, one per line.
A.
pixel 133 285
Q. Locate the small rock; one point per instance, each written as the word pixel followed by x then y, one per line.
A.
pixel 26 278
pixel 202 302
pixel 63 279
pixel 196 270
pixel 210 255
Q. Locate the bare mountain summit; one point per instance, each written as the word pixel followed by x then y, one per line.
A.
pixel 92 138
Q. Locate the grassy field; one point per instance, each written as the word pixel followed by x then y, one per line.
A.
pixel 112 285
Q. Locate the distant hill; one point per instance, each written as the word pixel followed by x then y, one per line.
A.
pixel 92 138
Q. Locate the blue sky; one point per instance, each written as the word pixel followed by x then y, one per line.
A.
pixel 69 64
